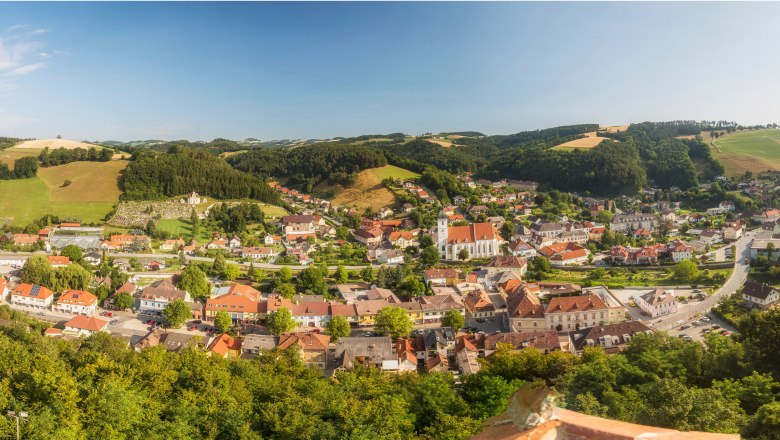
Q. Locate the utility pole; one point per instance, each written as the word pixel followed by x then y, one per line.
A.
pixel 22 415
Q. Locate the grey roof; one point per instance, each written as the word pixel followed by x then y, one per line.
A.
pixel 370 350
pixel 757 290
pixel 255 343
pixel 85 242
pixel 619 330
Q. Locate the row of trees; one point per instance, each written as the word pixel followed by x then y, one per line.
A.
pixel 24 168
pixel 61 156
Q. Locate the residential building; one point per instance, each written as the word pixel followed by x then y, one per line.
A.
pixel 77 302
pixel 759 295
pixel 441 277
pixel 761 248
pixel 680 252
pixel 711 236
pixel 434 307
pixel 58 260
pixel 294 225
pixel 435 341
pixel 84 326
pixel 253 345
pixel 545 341
pixel 612 337
pixel 575 312
pixel 625 222
pixel 520 248
pixel 225 346
pixel 565 254
pixel 369 237
pixel 374 352
pixel 732 231
pixel 478 305
pixel 657 302
pixel 402 239
pixel 258 253
pixel 478 239
pixel 525 311
pixel 243 304
pixel 500 263
pixel 314 347
pixel 547 229
pixel 159 294
pixel 32 296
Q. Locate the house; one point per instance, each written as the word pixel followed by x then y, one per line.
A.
pixel 478 239
pixel 368 309
pixel 438 363
pixel 58 260
pixel 314 347
pixel 466 354
pixel 84 326
pixel 384 212
pixel 234 242
pixel 217 243
pixel 258 253
pixel 759 294
pixel 25 239
pixel 516 265
pixel 633 256
pixel 402 239
pixel 76 302
pixel 626 222
pixel 293 225
pixel 225 346
pixel 732 231
pixel 478 305
pixel 547 229
pixel 391 257
pixel 373 352
pixel 3 287
pixel 680 252
pixel 155 297
pixel 612 337
pixel 32 296
pixel 243 303
pixel 369 237
pixel 434 307
pixel 575 312
pixel 565 254
pixel 172 245
pixel 657 302
pixel 93 258
pixel 524 311
pixel 406 354
pixel 441 277
pixel 596 233
pixel 407 208
pixel 435 341
pixel 711 236
pixel 269 239
pixel 253 345
pixel 520 248
pixel 546 341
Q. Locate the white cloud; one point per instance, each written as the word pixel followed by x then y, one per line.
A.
pixel 24 70
pixel 17 27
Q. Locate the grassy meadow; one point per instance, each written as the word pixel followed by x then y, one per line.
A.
pixel 755 150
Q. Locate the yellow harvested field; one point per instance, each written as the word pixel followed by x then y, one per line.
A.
pixel 9 155
pixel 442 142
pixel 40 144
pixel 90 181
pixel 613 128
pixel 367 191
pixel 589 141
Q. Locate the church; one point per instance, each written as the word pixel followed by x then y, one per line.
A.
pixel 478 239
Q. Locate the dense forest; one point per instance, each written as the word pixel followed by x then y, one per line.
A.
pixel 309 165
pixel 153 175
pixel 98 388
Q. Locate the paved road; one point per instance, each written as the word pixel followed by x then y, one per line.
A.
pixel 734 282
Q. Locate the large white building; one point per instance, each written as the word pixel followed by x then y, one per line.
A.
pixel 478 239
pixel 657 302
pixel 77 302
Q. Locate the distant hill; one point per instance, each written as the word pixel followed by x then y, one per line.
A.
pixel 40 144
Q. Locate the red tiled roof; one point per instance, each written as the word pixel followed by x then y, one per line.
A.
pixel 575 304
pixel 224 343
pixel 470 233
pixel 87 323
pixel 59 260
pixel 27 290
pixel 77 297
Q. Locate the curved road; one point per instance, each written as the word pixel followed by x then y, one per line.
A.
pixel 734 282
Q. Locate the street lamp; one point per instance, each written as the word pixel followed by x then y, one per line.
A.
pixel 21 415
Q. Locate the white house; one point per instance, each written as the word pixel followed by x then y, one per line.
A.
pixel 84 326
pixel 76 302
pixel 159 294
pixel 759 295
pixel 391 257
pixel 681 252
pixel 760 248
pixel 711 236
pixel 32 296
pixel 658 302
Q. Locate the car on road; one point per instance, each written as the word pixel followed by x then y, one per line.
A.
pixel 685 327
pixel 41 314
pixel 481 320
pixel 113 322
pixel 706 319
pixel 715 326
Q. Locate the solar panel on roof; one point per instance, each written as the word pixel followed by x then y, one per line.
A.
pixel 35 290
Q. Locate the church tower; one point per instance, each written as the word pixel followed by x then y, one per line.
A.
pixel 441 232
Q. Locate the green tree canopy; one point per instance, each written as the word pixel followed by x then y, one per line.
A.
pixel 280 321
pixel 177 313
pixel 337 327
pixel 194 281
pixel 222 321
pixel 453 319
pixel 393 321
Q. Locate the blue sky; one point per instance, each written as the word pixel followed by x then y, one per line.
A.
pixel 127 71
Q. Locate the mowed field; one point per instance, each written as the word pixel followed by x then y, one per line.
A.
pixel 589 141
pixel 394 172
pixel 34 147
pixel 755 150
pixel 91 195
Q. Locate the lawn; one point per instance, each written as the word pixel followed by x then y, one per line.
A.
pixel 755 150
pixel 623 278
pixel 273 211
pixel 394 172
pixel 22 201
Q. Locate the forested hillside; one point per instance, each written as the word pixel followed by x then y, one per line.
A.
pixel 153 175
pixel 307 166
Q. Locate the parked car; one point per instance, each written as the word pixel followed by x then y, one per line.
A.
pixel 685 326
pixel 113 322
pixel 41 314
pixel 715 326
pixel 706 319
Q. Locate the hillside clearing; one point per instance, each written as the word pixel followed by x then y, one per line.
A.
pixel 25 200
pixel 90 181
pixel 394 172
pixel 589 141
pixel 367 191
pixel 446 143
pixel 754 150
pixel 613 128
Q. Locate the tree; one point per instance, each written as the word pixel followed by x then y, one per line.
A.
pixel 507 230
pixel 367 274
pixel 285 274
pixel 425 241
pixel 393 321
pixel 73 252
pixel 341 274
pixel 463 254
pixel 218 267
pixel 429 256
pixel 177 313
pixel 194 281
pixel 195 222
pixel 123 301
pixel 36 270
pixel 280 321
pixel 542 264
pixel 453 319
pixel 287 290
pixel 686 271
pixel 231 272
pixel 70 277
pixel 312 280
pixel 257 274
pixel 223 321
pixel 337 327
pixel 604 217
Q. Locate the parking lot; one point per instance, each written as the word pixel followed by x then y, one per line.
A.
pixel 626 296
pixel 697 331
